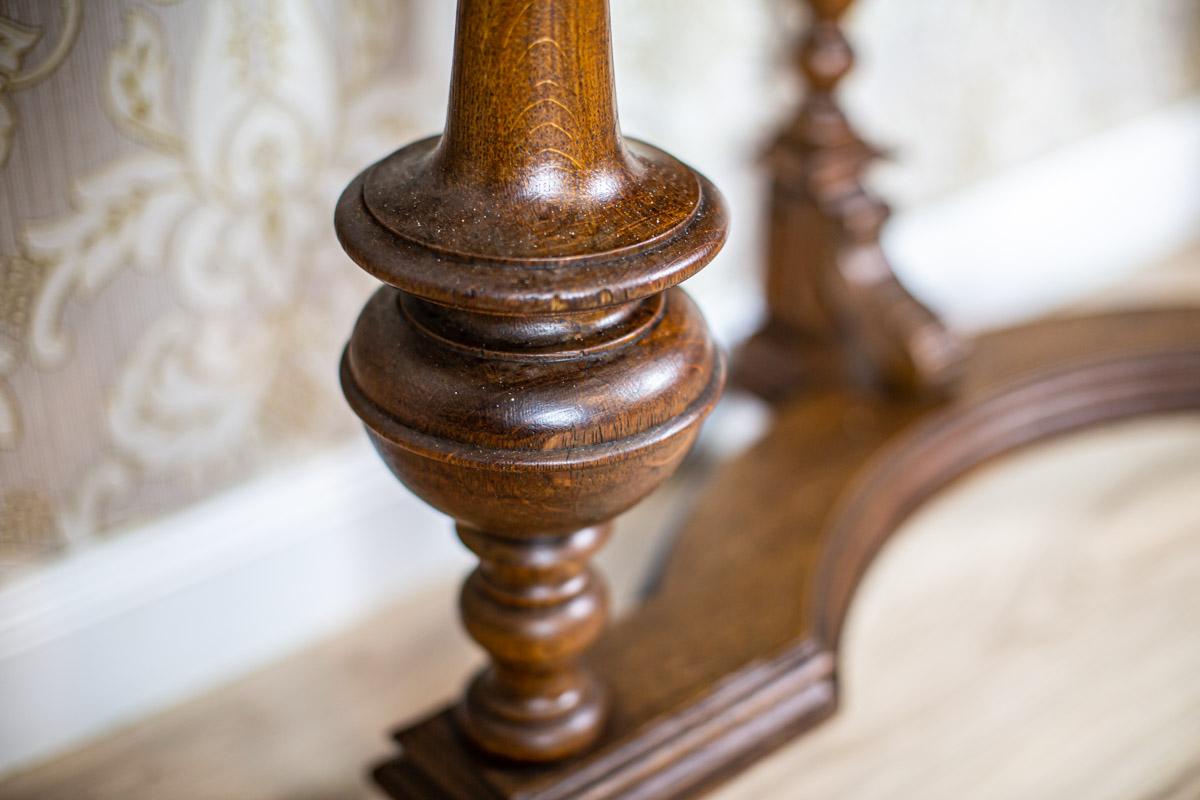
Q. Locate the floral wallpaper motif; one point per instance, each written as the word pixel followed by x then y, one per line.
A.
pixel 188 296
pixel 172 300
pixel 16 40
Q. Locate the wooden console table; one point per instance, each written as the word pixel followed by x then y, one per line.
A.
pixel 531 371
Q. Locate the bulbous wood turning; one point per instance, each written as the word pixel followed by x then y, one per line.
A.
pixel 528 369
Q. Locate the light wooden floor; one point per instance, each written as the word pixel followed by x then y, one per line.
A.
pixel 1066 666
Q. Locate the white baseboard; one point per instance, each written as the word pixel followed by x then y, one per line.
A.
pixel 1032 238
pixel 149 618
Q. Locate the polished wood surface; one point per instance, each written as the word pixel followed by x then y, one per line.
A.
pixel 530 369
pixel 737 651
pixel 835 311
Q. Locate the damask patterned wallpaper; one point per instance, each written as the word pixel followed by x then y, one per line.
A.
pixel 172 294
pixel 172 300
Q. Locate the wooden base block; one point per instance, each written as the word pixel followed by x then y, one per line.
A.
pixel 438 764
pixel 736 652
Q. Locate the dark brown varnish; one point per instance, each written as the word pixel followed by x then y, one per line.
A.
pixel 532 372
pixel 529 369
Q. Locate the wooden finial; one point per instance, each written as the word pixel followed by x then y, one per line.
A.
pixel 529 370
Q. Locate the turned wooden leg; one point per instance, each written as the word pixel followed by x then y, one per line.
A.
pixel 836 312
pixel 529 369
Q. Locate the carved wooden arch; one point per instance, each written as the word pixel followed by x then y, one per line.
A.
pixel 919 462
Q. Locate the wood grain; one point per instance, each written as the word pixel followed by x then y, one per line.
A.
pixel 531 253
pixel 530 369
